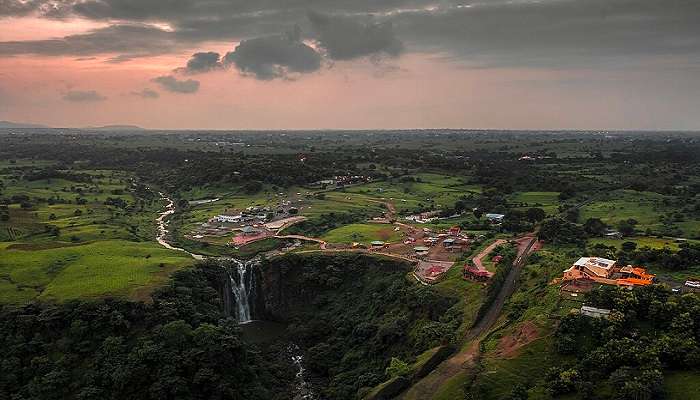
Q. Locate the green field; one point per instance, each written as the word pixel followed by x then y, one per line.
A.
pixel 653 211
pixel 428 190
pixel 363 233
pixel 548 201
pixel 112 267
pixel 86 237
pixel 682 385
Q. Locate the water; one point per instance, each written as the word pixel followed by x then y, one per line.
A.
pixel 302 390
pixel 163 228
pixel 242 277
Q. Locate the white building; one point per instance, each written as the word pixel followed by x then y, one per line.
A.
pixel 232 219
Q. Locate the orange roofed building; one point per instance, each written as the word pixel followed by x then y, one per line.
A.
pixel 604 271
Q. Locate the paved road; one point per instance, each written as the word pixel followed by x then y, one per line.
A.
pixel 463 360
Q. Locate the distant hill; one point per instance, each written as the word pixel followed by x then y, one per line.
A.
pixel 116 128
pixel 8 124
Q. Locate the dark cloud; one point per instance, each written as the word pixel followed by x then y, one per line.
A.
pixel 495 32
pixel 273 57
pixel 568 33
pixel 172 84
pixel 83 96
pixel 131 40
pixel 203 62
pixel 146 93
pixel 346 38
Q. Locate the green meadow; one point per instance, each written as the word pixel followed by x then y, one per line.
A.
pixel 111 267
pixel 68 239
pixel 363 233
pixel 653 211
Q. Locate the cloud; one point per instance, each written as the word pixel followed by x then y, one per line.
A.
pixel 132 40
pixel 146 93
pixel 172 84
pixel 556 33
pixel 543 33
pixel 345 38
pixel 83 96
pixel 273 57
pixel 203 62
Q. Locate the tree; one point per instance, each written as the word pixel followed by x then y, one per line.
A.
pixel 477 213
pixel 629 247
pixel 594 227
pixel 626 228
pixel 397 368
pixel 519 392
pixel 535 214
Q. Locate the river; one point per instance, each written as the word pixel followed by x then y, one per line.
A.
pixel 162 222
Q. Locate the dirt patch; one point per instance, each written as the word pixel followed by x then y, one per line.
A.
pixel 509 345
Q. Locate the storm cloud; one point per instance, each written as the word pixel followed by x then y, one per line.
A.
pixel 345 38
pixel 273 57
pixel 553 33
pixel 203 62
pixel 83 96
pixel 172 84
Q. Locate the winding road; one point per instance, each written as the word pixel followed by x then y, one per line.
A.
pixel 462 361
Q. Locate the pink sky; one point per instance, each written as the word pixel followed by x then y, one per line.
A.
pixel 415 90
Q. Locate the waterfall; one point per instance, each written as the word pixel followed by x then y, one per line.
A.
pixel 242 277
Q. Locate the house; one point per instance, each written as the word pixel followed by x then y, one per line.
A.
pixel 604 271
pixel 249 230
pixel 421 250
pixel 590 268
pixel 455 230
pixel 495 218
pixel 594 312
pixel 231 219
pixel 473 273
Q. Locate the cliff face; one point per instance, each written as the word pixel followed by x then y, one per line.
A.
pixel 293 284
pixel 351 313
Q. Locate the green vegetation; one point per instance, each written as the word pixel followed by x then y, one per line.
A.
pixel 354 314
pixel 111 267
pixel 362 233
pixel 180 346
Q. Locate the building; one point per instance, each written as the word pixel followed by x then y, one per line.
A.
pixel 495 218
pixel 421 250
pixel 473 273
pixel 377 244
pixel 594 312
pixel 249 230
pixel 604 271
pixel 231 219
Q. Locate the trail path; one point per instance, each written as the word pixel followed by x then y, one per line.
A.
pixel 427 387
pixel 302 237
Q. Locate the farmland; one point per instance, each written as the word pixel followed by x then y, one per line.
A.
pixel 300 211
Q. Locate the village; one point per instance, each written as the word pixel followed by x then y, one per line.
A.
pixel 434 252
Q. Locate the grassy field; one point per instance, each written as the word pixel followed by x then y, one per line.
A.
pixel 69 239
pixel 112 267
pixel 652 211
pixel 548 201
pixel 682 385
pixel 438 191
pixel 362 233
pixel 652 242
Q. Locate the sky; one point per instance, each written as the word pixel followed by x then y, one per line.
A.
pixel 352 64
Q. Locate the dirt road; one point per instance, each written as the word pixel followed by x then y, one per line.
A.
pixel 427 387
